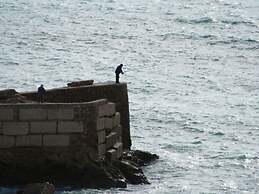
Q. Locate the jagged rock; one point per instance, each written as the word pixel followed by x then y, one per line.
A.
pixel 132 172
pixel 139 157
pixel 80 83
pixel 145 156
pixel 102 176
pixel 115 175
pixel 38 188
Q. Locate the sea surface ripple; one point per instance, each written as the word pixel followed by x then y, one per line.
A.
pixel 192 69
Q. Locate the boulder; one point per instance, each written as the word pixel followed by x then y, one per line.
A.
pixel 132 172
pixel 141 158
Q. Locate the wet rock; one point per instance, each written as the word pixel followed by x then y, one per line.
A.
pixel 142 158
pixel 38 188
pixel 80 83
pixel 117 178
pixel 102 176
pixel 132 172
pixel 145 156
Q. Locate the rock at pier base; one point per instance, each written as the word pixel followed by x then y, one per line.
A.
pixel 130 164
pixel 132 172
pixel 141 158
pixel 98 174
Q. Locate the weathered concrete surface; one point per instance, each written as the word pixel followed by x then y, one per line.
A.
pixel 111 139
pixel 15 128
pixel 108 123
pixel 41 127
pixel 100 124
pixel 119 147
pixel 33 114
pixel 29 141
pixel 107 109
pixel 61 114
pixel 56 140
pixel 70 127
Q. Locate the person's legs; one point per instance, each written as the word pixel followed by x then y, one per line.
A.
pixel 117 78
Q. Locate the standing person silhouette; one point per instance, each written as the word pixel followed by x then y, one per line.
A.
pixel 117 73
pixel 41 93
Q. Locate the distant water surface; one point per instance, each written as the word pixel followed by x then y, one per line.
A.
pixel 192 69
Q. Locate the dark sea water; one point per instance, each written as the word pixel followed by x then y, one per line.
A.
pixel 192 68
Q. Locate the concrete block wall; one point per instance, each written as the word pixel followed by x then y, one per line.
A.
pixel 116 93
pixel 55 125
pixel 38 125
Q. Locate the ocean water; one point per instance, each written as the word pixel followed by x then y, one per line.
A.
pixel 192 69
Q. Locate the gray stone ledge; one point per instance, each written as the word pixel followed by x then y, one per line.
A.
pixel 47 105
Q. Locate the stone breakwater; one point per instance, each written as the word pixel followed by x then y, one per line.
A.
pixel 79 137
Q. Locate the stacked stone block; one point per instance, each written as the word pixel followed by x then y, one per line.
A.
pixel 37 125
pixel 42 125
pixel 109 137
